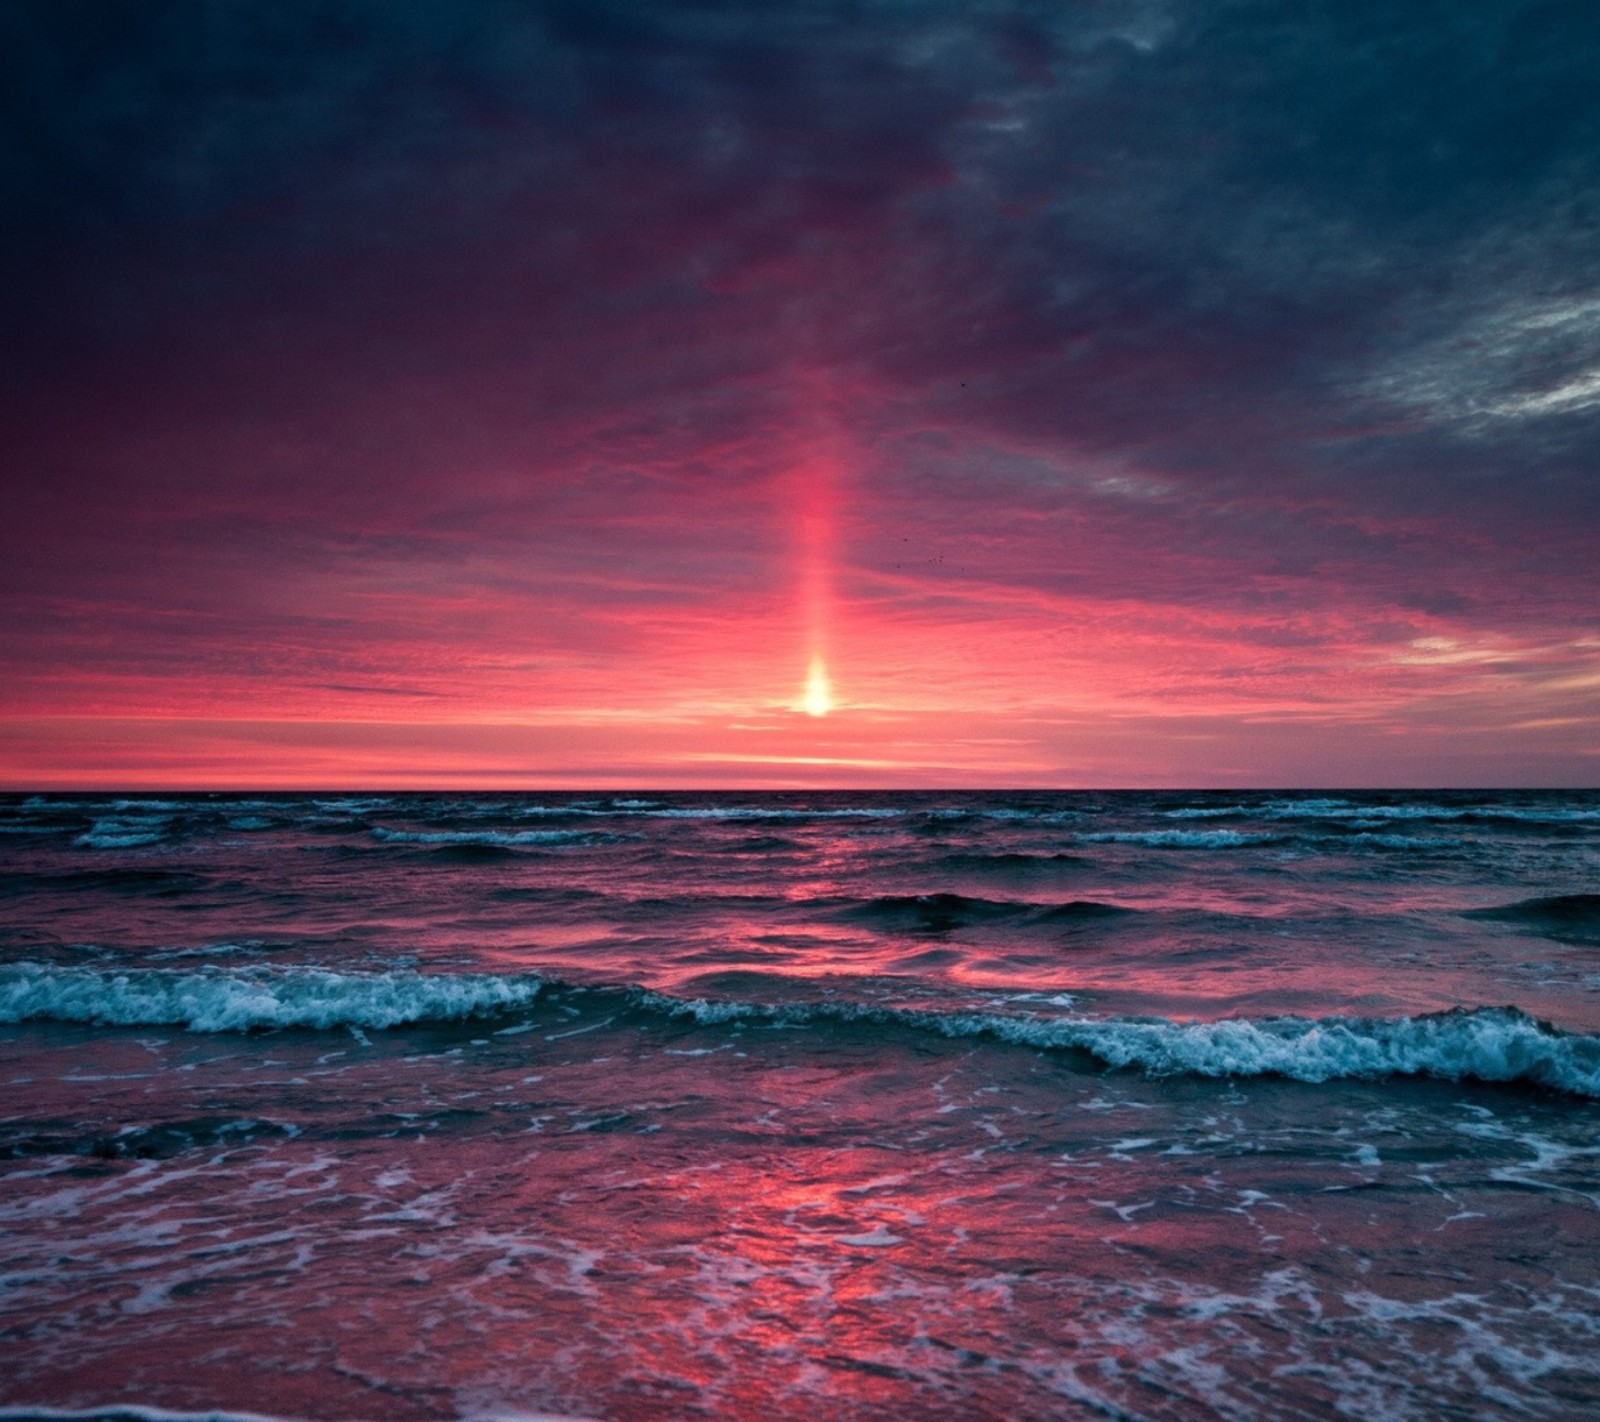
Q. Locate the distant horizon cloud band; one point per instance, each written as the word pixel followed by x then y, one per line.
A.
pixel 567 395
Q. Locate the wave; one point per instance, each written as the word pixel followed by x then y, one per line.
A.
pixel 759 844
pixel 158 882
pixel 156 1142
pixel 1355 811
pixel 1411 843
pixel 1181 839
pixel 759 812
pixel 1346 836
pixel 1489 1044
pixel 1007 861
pixel 120 837
pixel 1574 916
pixel 1493 1044
pixel 945 911
pixel 246 999
pixel 657 810
pixel 483 839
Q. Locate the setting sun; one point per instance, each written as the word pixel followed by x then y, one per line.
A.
pixel 819 693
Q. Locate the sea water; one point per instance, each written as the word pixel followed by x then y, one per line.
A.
pixel 822 1106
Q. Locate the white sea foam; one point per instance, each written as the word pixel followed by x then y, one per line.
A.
pixel 121 832
pixel 1485 1044
pixel 1179 839
pixel 1492 1044
pixel 214 950
pixel 1206 812
pixel 1237 839
pixel 1356 811
pixel 241 999
pixel 1391 841
pixel 94 840
pixel 577 807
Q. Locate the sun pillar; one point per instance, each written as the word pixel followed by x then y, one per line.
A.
pixel 816 488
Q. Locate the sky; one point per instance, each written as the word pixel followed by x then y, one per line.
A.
pixel 464 393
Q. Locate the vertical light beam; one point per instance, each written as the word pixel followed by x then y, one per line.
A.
pixel 816 482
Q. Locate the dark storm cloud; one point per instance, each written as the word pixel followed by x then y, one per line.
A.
pixel 1319 283
pixel 1264 201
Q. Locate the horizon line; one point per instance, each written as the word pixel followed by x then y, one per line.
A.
pixel 623 789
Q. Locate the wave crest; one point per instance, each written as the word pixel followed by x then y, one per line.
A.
pixel 1489 1044
pixel 1492 1044
pixel 240 1000
pixel 487 839
pixel 1485 1044
pixel 944 911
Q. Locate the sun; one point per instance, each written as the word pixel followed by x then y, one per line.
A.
pixel 818 699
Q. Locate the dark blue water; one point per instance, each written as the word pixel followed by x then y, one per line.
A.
pixel 836 1106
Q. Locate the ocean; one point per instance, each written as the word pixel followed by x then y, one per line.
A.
pixel 962 1105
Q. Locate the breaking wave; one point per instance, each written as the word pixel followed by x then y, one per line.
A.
pixel 238 1001
pixel 1492 1044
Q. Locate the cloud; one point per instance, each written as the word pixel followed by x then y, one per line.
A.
pixel 380 344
